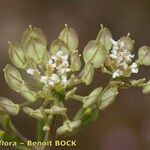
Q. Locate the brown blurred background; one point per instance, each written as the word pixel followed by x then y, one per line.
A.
pixel 126 124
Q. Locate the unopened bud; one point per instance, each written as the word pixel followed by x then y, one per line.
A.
pixel 144 55
pixel 94 53
pixel 75 61
pixel 16 55
pixel 69 36
pixel 8 106
pixel 88 74
pixel 108 97
pixel 34 42
pixel 104 37
pixel 13 77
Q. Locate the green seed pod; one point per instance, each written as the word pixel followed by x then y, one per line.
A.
pixel 13 77
pixel 108 97
pixel 34 42
pixel 8 106
pixel 94 53
pixel 69 36
pixel 144 55
pixel 37 114
pixel 104 37
pixel 146 88
pixel 87 74
pixel 126 42
pixel 59 45
pixel 55 110
pixel 27 93
pixel 75 61
pixel 92 98
pixel 70 94
pixel 68 126
pixel 16 55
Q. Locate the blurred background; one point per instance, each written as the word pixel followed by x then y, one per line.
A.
pixel 126 124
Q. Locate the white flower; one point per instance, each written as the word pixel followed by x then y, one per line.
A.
pixel 55 78
pixel 44 79
pixel 60 67
pixel 114 42
pixel 117 73
pixel 64 80
pixel 134 68
pixel 31 71
pixel 122 59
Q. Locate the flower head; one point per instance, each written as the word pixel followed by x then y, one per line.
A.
pixel 121 59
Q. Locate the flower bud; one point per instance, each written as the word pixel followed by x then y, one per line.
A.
pixel 59 45
pixel 88 74
pixel 13 77
pixel 8 106
pixel 27 93
pixel 69 36
pixel 75 61
pixel 68 126
pixel 16 55
pixel 146 88
pixel 92 98
pixel 70 94
pixel 108 97
pixel 144 55
pixel 55 110
pixel 126 42
pixel 104 37
pixel 37 114
pixel 34 42
pixel 94 53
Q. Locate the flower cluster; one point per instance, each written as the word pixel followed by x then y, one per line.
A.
pixel 122 58
pixel 57 71
pixel 57 68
